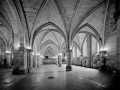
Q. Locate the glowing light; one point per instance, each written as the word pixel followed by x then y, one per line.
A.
pixel 70 47
pixel 102 49
pixel 37 54
pixel 54 57
pixel 42 56
pixel 106 54
pixel 60 54
pixel 8 51
pixel 28 47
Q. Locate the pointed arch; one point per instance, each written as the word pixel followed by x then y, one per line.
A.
pixel 3 37
pixel 38 13
pixel 49 48
pixel 88 14
pixel 48 42
pixel 4 42
pixel 74 43
pixel 39 29
pixel 96 35
pixel 7 25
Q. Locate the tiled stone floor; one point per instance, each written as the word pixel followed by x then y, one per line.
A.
pixel 52 77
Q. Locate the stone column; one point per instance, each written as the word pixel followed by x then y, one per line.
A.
pixel 56 60
pixel 35 61
pixel 23 60
pixel 8 59
pixel 75 53
pixel 41 60
pixel 38 60
pixel 20 58
pixel 29 60
pixel 60 60
pixel 68 55
pixel 89 49
pixel 102 59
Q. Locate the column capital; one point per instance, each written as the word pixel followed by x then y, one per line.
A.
pixel 22 48
pixel 68 50
pixel 29 50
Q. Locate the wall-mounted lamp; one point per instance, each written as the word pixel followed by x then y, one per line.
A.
pixel 37 54
pixel 28 47
pixel 104 52
pixel 42 56
pixel 8 51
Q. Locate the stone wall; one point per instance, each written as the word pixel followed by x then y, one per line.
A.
pixel 76 61
pixel 81 61
pixel 111 51
pixel 49 61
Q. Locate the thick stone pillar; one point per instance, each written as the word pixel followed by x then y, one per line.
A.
pixel 8 60
pixel 38 60
pixel 35 61
pixel 56 58
pixel 75 53
pixel 20 61
pixel 41 60
pixel 102 59
pixel 60 60
pixel 69 57
pixel 89 49
pixel 29 60
pixel 23 59
pixel 20 58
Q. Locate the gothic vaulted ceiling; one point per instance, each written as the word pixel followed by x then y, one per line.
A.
pixel 48 23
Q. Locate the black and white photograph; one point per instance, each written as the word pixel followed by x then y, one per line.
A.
pixel 59 44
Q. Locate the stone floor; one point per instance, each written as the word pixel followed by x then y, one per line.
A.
pixel 52 77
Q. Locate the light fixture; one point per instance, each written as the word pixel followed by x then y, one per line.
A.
pixel 8 51
pixel 42 56
pixel 37 54
pixel 28 47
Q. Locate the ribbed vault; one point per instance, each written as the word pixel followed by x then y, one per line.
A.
pixel 57 24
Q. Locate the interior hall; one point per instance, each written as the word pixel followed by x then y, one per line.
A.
pixel 59 44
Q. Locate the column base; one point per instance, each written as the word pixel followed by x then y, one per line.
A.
pixel 59 65
pixel 19 71
pixel 68 68
pixel 8 66
pixel 103 67
pixel 35 66
pixel 30 70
